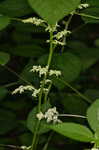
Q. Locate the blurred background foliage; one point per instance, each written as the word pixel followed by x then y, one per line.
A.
pixel 24 45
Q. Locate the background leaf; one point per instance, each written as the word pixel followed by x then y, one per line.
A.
pixel 53 11
pixel 4 21
pixel 74 131
pixel 93 115
pixel 32 120
pixel 4 58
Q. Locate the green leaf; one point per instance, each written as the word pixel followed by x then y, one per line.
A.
pixel 53 10
pixel 68 63
pixel 7 121
pixel 28 50
pixel 91 12
pixel 14 7
pixel 4 58
pixel 4 21
pixel 73 104
pixel 3 93
pixel 32 120
pixel 93 115
pixel 97 42
pixel 88 56
pixel 74 131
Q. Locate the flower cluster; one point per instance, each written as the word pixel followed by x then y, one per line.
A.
pixel 51 115
pixel 61 34
pixel 52 28
pixel 34 21
pixel 25 147
pixel 22 88
pixel 41 70
pixel 44 71
pixel 81 6
pixel 57 38
pixel 35 92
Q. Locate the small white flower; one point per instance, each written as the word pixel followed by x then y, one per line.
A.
pixel 61 34
pixel 52 28
pixel 85 5
pixel 55 72
pixel 35 92
pixel 56 42
pixel 22 88
pixel 51 115
pixel 40 116
pixel 25 147
pixel 40 70
pixel 33 20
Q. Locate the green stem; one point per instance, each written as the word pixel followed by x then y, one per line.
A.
pixel 10 84
pixel 66 28
pixel 48 65
pixel 35 135
pixel 71 115
pixel 10 70
pixel 88 16
pixel 41 91
pixel 46 94
pixel 76 91
pixel 49 138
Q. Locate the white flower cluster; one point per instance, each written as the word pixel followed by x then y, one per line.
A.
pixel 25 147
pixel 52 28
pixel 85 5
pixel 22 88
pixel 58 37
pixel 61 34
pixel 55 72
pixel 41 70
pixel 35 92
pixel 44 71
pixel 51 115
pixel 33 20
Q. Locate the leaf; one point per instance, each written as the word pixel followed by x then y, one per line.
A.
pixel 73 104
pixel 92 94
pixel 68 63
pixel 15 8
pixel 4 58
pixel 28 50
pixel 32 120
pixel 4 21
pixel 97 42
pixel 88 56
pixel 74 131
pixel 53 10
pixel 3 93
pixel 92 12
pixel 7 121
pixel 93 115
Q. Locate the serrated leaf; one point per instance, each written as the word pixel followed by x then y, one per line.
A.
pixel 53 10
pixel 4 21
pixel 4 58
pixel 93 115
pixel 32 120
pixel 74 131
